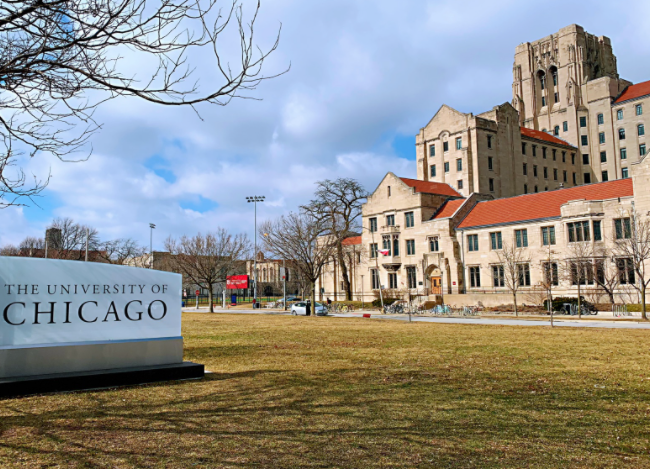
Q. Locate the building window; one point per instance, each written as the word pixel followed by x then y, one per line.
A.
pixel 625 269
pixel 374 277
pixel 489 141
pixel 498 276
pixel 551 276
pixel 604 177
pixel 573 158
pixel 556 130
pixel 585 158
pixel 459 164
pixel 390 220
pixel 433 170
pixel 582 273
pixel 544 152
pixel 434 245
pixel 601 119
pixel 373 225
pixel 525 188
pixel 624 173
pixel 598 234
pixel 395 245
pixel 639 109
pixel 564 176
pixel 624 153
pixel 619 114
pixel 490 164
pixel 373 250
pixel 459 183
pixel 472 242
pixel 642 149
pixel 523 148
pixel 583 121
pixel 523 274
pixel 535 170
pixel 388 191
pixel 446 166
pixel 475 277
pixel 621 134
pixel 548 235
pixel 410 247
pixel 584 140
pixel 491 182
pixel 601 137
pixel 445 147
pixel 543 101
pixel 432 150
pixel 534 150
pixel 565 126
pixel 411 277
pixel 535 189
pixel 603 157
pixel 545 172
pixel 622 228
pixel 554 154
pixel 392 281
pixel 587 178
pixel 521 237
pixel 554 174
pixel 496 241
pixel 409 219
pixel 557 100
pixel 459 143
pixel 641 130
pixel 525 169
pixel 386 244
pixel 578 231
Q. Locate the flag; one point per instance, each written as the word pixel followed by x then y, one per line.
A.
pixel 383 252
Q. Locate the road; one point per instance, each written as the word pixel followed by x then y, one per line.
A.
pixel 562 322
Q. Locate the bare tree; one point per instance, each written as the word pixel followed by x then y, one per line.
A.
pixel 579 267
pixel 632 251
pixel 121 251
pixel 70 242
pixel 516 269
pixel 337 204
pixel 300 237
pixel 60 59
pixel 9 250
pixel 31 246
pixel 607 278
pixel 207 260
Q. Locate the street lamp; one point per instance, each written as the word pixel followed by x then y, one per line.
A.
pixel 255 199
pixel 152 227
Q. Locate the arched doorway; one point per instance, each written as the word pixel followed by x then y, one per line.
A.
pixel 434 276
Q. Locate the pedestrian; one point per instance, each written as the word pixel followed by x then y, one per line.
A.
pixel 329 302
pixel 308 313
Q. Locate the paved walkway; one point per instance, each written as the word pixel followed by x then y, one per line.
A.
pixel 558 322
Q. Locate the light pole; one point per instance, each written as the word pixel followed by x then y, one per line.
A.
pixel 151 228
pixel 254 199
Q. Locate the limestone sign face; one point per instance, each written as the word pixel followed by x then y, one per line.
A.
pixel 50 302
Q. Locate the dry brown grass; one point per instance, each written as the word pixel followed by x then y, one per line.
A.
pixel 291 392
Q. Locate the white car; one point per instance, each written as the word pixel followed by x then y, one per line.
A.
pixel 300 308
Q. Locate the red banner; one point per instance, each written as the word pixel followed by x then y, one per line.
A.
pixel 234 282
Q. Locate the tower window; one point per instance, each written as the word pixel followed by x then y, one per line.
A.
pixel 601 119
pixel 523 148
pixel 557 98
pixel 564 157
pixel 554 154
pixel 544 152
pixel 584 140
pixel 603 157
pixel 585 158
pixel 601 137
pixel 433 170
pixel 491 185
pixel 619 114
pixel 641 130
pixel 639 109
pixel 621 134
pixel 490 163
pixel 604 176
pixel 535 170
pixel 624 173
pixel 624 153
pixel 446 166
pixel 459 164
pixel 543 101
pixel 459 143
pixel 583 121
pixel 534 150
pixel 459 184
pixel 642 149
pixel 587 178
pixel 489 141
pixel 525 169
pixel 565 126
pixel 432 150
pixel 445 147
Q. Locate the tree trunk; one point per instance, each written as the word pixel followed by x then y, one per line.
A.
pixel 312 292
pixel 514 299
pixel 210 298
pixel 579 301
pixel 643 305
pixel 344 272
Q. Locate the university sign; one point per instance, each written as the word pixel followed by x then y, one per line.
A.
pixel 67 316
pixel 234 282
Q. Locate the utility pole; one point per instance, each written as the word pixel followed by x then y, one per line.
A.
pixel 151 228
pixel 254 199
pixel 45 247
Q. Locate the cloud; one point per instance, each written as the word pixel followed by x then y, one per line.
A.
pixel 365 77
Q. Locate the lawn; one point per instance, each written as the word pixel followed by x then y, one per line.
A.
pixel 291 392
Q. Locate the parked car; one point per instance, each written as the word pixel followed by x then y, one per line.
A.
pixel 290 299
pixel 300 309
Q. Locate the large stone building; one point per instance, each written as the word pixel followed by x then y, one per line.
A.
pixel 567 97
pixel 556 175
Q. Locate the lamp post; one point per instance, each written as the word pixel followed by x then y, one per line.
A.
pixel 151 228
pixel 254 200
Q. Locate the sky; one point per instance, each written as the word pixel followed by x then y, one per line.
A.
pixel 365 76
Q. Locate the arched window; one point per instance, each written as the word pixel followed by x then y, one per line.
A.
pixel 264 277
pixel 542 79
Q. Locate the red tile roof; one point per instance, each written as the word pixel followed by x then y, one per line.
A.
pixel 448 208
pixel 542 205
pixel 634 91
pixel 428 187
pixel 539 135
pixel 351 241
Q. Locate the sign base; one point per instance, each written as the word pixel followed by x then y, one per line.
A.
pixel 79 381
